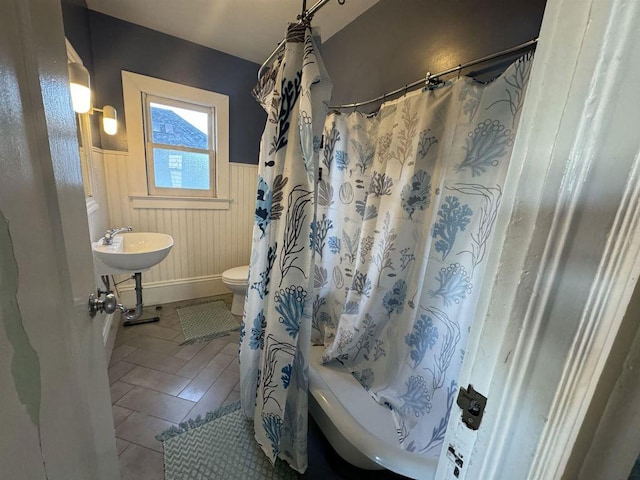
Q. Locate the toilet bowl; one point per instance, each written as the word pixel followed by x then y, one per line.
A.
pixel 235 279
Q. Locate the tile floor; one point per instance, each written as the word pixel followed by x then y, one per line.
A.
pixel 156 383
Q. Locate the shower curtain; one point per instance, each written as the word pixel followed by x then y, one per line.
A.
pixel 276 329
pixel 405 216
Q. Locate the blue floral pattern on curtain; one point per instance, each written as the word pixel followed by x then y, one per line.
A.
pixel 275 335
pixel 404 224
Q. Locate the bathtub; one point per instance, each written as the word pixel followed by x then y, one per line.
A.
pixel 359 429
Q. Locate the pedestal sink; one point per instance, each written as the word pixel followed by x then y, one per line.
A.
pixel 131 252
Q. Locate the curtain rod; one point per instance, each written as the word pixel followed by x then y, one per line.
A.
pixel 431 79
pixel 306 16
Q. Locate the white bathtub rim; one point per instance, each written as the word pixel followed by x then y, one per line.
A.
pixel 391 457
pixel 341 445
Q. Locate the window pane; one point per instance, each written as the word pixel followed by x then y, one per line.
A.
pixel 178 169
pixel 179 126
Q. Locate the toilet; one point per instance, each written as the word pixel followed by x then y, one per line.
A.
pixel 235 279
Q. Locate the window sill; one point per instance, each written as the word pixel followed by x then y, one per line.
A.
pixel 178 203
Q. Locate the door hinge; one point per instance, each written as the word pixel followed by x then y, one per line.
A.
pixel 472 404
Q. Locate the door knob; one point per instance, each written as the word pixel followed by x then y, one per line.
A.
pixel 108 304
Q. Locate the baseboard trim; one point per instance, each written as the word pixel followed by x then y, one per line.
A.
pixel 158 293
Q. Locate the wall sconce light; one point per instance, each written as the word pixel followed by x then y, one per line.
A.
pixel 109 119
pixel 80 85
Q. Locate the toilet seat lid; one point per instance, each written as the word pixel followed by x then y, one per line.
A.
pixel 237 274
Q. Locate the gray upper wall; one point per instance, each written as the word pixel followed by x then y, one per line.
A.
pixel 76 28
pixel 118 45
pixel 392 44
pixel 75 16
pixel 396 42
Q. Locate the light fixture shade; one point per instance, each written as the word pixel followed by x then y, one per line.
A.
pixel 80 87
pixel 109 120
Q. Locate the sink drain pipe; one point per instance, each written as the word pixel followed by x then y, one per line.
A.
pixel 131 315
pixel 108 304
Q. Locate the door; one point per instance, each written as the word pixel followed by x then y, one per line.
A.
pixel 54 401
pixel 567 251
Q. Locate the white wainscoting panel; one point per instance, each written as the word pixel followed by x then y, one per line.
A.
pixel 207 242
pixel 98 207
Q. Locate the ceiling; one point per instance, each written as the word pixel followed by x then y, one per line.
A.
pixel 248 29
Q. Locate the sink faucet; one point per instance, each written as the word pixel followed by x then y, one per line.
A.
pixel 112 232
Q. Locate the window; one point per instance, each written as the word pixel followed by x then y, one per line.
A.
pixel 179 152
pixel 178 144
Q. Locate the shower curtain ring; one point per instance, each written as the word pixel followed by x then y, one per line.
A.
pixel 459 69
pixel 427 80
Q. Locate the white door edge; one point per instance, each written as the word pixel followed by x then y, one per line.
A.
pixel 55 391
pixel 569 261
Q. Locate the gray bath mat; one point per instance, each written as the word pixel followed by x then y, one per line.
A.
pixel 220 446
pixel 205 321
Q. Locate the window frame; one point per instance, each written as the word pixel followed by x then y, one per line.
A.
pixel 140 194
pixel 154 190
